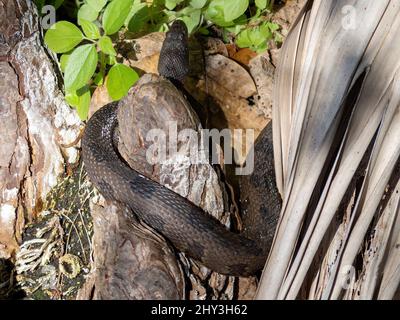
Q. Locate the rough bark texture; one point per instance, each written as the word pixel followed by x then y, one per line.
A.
pixel 130 261
pixel 35 122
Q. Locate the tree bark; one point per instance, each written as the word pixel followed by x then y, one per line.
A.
pixel 35 119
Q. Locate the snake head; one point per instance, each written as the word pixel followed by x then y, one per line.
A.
pixel 174 55
pixel 178 31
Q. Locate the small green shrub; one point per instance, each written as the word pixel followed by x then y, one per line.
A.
pixel 87 54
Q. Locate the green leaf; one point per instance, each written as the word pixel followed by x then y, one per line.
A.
pixel 97 4
pixel 140 14
pixel 80 67
pixel 171 4
pixel 273 26
pixel 243 39
pixel 261 48
pixel 192 20
pixel 63 61
pixel 72 98
pixel 106 46
pixel 115 14
pixel 88 13
pixel 266 31
pixel 198 4
pixel 255 38
pixel 259 36
pixel 215 13
pixel 111 60
pixel 204 31
pixel 90 29
pixel 119 80
pixel 98 79
pixel 57 3
pixel 40 4
pixel 234 9
pixel 83 103
pixel 234 30
pixel 80 100
pixel 63 36
pixel 261 4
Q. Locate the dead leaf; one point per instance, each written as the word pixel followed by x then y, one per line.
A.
pixel 244 56
pixel 230 75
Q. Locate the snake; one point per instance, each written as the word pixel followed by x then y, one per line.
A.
pixel 185 225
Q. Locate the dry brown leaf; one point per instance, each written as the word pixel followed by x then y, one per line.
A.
pixel 244 56
pixel 230 75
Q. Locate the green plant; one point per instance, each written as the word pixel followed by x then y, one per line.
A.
pixel 255 37
pixel 87 54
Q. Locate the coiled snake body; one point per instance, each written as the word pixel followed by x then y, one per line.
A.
pixel 184 224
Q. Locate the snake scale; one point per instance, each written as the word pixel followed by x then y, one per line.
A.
pixel 185 225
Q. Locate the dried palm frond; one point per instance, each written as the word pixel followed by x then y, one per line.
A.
pixel 337 147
